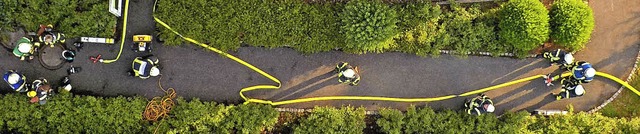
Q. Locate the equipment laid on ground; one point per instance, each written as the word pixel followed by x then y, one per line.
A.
pixel 96 59
pixel 142 43
pixel 96 40
pixel 550 112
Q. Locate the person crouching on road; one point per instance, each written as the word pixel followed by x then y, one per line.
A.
pixel 42 91
pixel 51 37
pixel 145 67
pixel 16 80
pixel 347 74
pixel 479 105
pixel 560 57
pixel 571 88
pixel 25 48
pixel 581 71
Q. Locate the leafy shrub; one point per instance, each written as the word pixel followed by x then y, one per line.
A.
pixel 571 23
pixel 330 120
pixel 368 26
pixel 419 24
pixel 391 121
pixel 7 9
pixel 75 18
pixel 252 118
pixel 524 24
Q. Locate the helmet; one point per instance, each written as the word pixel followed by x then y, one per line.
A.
pixel 490 108
pixel 154 71
pixel 48 38
pixel 568 58
pixel 579 90
pixel 590 72
pixel 24 47
pixel 349 73
pixel 13 78
pixel 67 87
pixel 31 94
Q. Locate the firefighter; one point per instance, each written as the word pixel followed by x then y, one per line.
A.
pixel 43 91
pixel 581 71
pixel 16 80
pixel 51 37
pixel 560 57
pixel 570 89
pixel 144 67
pixel 347 74
pixel 25 48
pixel 479 105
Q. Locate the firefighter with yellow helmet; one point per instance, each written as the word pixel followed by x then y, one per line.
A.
pixel 145 67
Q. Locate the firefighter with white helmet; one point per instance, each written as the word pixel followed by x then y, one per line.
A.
pixel 16 81
pixel 479 105
pixel 145 67
pixel 559 57
pixel 570 89
pixel 581 71
pixel 25 48
pixel 347 74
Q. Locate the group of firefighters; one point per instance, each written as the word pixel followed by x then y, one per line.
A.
pixel 581 72
pixel 39 90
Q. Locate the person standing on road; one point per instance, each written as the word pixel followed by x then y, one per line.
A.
pixel 479 105
pixel 347 74
pixel 16 81
pixel 145 67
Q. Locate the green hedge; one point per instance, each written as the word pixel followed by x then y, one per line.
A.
pixel 524 24
pixel 368 25
pixel 75 18
pixel 417 27
pixel 425 120
pixel 328 120
pixel 571 23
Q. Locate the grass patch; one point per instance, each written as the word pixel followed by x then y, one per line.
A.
pixel 627 104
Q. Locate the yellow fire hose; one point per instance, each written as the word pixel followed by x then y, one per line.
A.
pixel 124 33
pixel 368 98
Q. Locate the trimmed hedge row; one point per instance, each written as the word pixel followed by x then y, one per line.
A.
pixel 425 120
pixel 67 113
pixel 360 26
pixel 75 18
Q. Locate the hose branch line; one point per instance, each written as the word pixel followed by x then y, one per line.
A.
pixel 124 33
pixel 367 98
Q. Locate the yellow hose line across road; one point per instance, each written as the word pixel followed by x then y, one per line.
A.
pixel 367 98
pixel 124 33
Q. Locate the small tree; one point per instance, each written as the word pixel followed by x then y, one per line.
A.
pixel 571 23
pixel 368 26
pixel 524 24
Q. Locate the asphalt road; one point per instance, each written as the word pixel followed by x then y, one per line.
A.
pixel 195 72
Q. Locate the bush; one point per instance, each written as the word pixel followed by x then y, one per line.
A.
pixel 75 18
pixel 524 24
pixel 327 120
pixel 391 121
pixel 418 21
pixel 368 26
pixel 571 23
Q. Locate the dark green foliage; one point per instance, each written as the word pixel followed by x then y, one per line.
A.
pixel 328 120
pixel 7 10
pixel 391 121
pixel 75 18
pixel 419 24
pixel 368 26
pixel 65 113
pixel 524 24
pixel 251 118
pixel 571 23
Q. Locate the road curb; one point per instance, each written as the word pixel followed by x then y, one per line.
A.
pixel 633 71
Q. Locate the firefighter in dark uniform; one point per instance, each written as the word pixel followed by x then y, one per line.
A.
pixel 51 37
pixel 559 57
pixel 581 71
pixel 347 74
pixel 571 88
pixel 479 105
pixel 144 67
pixel 16 81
